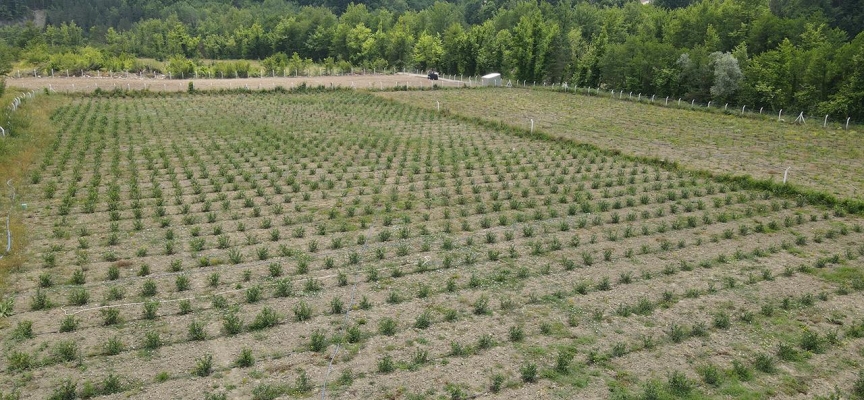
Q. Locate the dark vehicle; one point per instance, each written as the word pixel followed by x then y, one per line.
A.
pixel 432 76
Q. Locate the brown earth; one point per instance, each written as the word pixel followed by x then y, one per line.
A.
pixel 91 83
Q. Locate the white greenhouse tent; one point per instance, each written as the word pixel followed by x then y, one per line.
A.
pixel 493 79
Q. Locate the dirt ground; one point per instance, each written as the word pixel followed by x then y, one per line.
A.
pixel 91 83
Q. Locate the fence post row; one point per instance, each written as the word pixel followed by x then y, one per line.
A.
pixel 800 119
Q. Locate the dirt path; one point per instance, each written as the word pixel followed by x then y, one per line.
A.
pixel 91 83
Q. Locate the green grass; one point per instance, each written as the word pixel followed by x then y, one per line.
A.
pixel 841 274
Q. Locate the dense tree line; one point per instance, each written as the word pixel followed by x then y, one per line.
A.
pixel 790 54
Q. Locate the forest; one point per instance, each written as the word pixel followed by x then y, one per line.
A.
pixel 777 54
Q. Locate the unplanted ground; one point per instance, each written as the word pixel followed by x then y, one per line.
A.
pixel 132 82
pixel 473 262
pixel 825 159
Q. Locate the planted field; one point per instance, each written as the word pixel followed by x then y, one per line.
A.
pixel 825 159
pixel 259 245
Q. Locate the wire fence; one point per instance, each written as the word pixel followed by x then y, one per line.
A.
pixel 782 115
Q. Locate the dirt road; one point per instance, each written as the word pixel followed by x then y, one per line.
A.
pixel 133 82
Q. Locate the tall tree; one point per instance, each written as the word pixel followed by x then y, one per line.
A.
pixel 459 54
pixel 6 57
pixel 530 47
pixel 428 51
pixel 727 76
pixel 400 46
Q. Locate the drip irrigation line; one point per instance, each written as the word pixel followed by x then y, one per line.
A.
pixel 73 312
pixel 338 345
pixel 201 271
pixel 165 301
pixel 344 324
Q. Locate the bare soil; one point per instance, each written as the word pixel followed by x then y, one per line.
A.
pixel 132 82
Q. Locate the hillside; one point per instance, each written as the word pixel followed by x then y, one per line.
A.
pixel 822 159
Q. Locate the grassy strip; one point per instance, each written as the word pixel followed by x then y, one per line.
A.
pixel 802 195
pixel 18 152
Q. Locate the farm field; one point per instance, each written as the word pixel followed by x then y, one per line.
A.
pixel 825 159
pixel 260 245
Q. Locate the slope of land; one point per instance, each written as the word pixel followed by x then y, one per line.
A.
pixel 825 159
